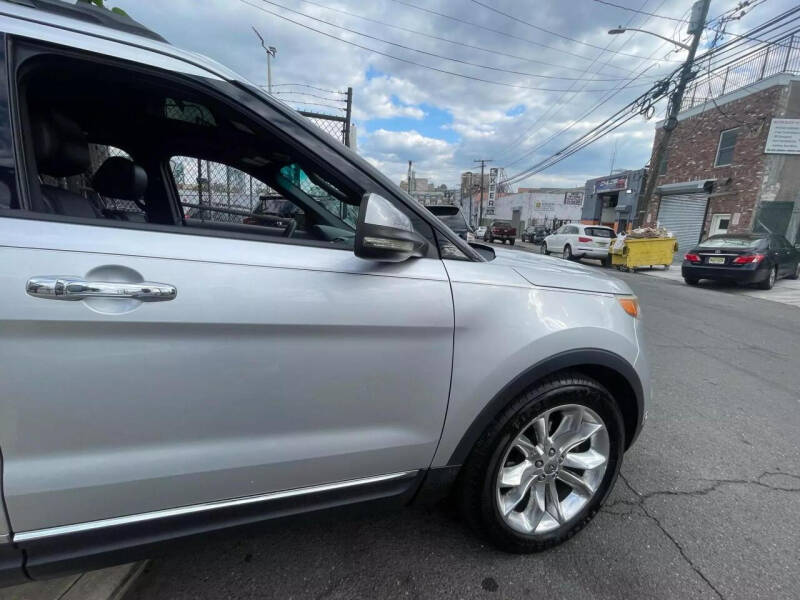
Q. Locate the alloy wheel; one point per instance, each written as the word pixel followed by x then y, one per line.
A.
pixel 567 253
pixel 552 469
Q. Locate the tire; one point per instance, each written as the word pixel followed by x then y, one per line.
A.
pixel 512 242
pixel 606 261
pixel 796 274
pixel 691 280
pixel 769 282
pixel 566 254
pixel 479 497
pixel 545 251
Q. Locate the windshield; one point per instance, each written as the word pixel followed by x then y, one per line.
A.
pixel 732 242
pixel 455 222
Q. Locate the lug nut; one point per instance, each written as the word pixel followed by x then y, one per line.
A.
pixel 538 463
pixel 552 451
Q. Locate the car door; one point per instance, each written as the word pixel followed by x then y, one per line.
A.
pixel 274 365
pixel 557 240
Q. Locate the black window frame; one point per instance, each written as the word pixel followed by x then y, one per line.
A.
pixel 731 148
pixel 331 165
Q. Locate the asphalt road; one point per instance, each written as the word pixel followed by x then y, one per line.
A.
pixel 708 505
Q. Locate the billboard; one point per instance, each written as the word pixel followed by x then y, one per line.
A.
pixel 611 184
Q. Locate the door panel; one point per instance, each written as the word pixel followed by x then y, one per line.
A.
pixel 276 366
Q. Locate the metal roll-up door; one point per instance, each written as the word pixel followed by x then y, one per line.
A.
pixel 683 215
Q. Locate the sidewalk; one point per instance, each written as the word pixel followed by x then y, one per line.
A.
pixel 786 291
pixel 106 584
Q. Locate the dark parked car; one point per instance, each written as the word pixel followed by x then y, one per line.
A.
pixel 453 218
pixel 501 230
pixel 535 234
pixel 752 258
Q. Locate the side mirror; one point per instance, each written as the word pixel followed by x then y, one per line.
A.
pixel 385 233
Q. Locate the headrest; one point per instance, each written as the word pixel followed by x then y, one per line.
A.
pixel 60 145
pixel 119 177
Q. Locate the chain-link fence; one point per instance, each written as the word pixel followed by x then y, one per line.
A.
pixel 337 127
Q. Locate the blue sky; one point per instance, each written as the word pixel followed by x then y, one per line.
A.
pixel 535 82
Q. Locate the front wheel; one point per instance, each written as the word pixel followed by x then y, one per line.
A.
pixel 544 466
pixel 796 273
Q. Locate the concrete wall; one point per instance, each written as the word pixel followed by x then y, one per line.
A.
pixel 592 207
pixel 551 205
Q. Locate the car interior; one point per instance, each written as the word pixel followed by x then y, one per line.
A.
pixel 126 147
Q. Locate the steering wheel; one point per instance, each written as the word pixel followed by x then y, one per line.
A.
pixel 290 228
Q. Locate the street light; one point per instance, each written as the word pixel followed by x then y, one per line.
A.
pixel 271 52
pixel 619 30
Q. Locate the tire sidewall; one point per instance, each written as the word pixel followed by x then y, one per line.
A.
pixel 593 397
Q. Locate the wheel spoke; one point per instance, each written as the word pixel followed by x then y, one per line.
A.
pixel 571 439
pixel 512 476
pixel 514 496
pixel 591 459
pixel 535 509
pixel 576 483
pixel 540 426
pixel 569 423
pixel 524 445
pixel 553 504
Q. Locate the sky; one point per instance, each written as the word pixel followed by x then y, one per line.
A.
pixel 533 74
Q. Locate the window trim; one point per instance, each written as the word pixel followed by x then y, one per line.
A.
pixel 22 50
pixel 719 147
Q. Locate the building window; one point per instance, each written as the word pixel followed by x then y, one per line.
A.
pixel 727 142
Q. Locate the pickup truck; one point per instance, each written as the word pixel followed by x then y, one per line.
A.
pixel 501 230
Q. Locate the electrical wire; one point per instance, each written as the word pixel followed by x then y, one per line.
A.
pixel 408 61
pixel 443 39
pixel 498 31
pixel 641 12
pixel 425 52
pixel 313 87
pixel 555 33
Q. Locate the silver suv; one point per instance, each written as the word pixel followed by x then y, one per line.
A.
pixel 214 313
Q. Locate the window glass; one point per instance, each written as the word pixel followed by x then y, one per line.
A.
pixel 727 143
pixel 600 232
pixel 325 194
pixel 732 242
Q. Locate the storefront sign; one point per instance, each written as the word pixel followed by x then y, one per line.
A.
pixel 611 184
pixel 573 198
pixel 784 137
pixel 544 205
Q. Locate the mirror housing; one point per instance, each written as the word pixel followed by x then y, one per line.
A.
pixel 385 233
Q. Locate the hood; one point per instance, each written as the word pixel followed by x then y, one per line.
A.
pixel 559 273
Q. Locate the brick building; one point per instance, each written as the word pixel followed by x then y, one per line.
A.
pixel 719 174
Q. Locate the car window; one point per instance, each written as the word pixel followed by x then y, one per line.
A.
pixel 325 194
pixel 732 242
pixel 600 232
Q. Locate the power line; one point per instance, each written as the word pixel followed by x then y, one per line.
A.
pixel 306 95
pixel 499 32
pixel 555 33
pixel 447 40
pixel 425 52
pixel 641 12
pixel 313 87
pixel 407 61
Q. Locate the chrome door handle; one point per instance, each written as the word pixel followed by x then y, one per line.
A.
pixel 72 288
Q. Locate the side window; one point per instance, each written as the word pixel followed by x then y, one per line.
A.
pixel 727 144
pixel 218 193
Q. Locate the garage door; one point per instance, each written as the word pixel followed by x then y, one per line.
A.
pixel 683 215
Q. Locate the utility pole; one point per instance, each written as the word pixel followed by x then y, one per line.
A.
pixel 348 116
pixel 483 162
pixel 271 52
pixel 696 27
pixel 408 181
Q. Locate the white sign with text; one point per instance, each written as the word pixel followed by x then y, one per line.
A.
pixel 784 137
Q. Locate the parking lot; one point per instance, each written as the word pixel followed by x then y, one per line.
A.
pixel 706 506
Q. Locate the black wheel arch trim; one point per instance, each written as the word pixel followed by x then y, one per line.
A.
pixel 606 366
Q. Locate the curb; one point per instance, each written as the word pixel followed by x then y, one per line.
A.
pixel 112 583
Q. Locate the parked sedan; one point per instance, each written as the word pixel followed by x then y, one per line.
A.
pixel 535 234
pixel 748 258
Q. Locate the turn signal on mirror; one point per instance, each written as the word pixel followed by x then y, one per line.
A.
pixel 630 304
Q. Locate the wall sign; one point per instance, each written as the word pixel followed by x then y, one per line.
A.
pixel 784 137
pixel 573 198
pixel 611 184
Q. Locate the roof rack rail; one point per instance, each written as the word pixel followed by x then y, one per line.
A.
pixel 85 10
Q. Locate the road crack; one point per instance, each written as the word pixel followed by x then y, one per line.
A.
pixel 641 504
